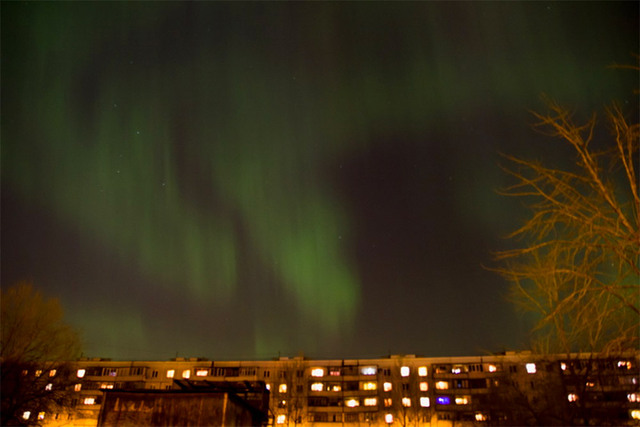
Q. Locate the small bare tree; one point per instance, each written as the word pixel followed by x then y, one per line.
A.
pixel 579 268
pixel 35 352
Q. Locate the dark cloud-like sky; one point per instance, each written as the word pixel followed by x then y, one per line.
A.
pixel 242 180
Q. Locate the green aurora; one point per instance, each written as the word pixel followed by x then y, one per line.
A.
pixel 198 144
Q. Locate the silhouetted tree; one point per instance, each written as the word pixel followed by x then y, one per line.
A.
pixel 578 270
pixel 35 352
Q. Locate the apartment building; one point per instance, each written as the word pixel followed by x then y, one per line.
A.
pixel 506 389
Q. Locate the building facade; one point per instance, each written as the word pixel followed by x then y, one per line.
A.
pixel 505 389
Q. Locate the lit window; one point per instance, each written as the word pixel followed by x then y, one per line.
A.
pixel 563 366
pixel 352 403
pixel 442 385
pixel 334 372
pixel 41 415
pixel 531 368
pixel 406 402
pixel 456 370
pixel 369 386
pixel 590 384
pixel 635 414
pixel 424 386
pixel 317 387
pixel 572 397
pixel 633 397
pixel 621 364
pixel 89 401
pixel 493 368
pixel 81 373
pixel 336 387
pixel 268 386
pixel 480 416
pixel 387 386
pixel 425 402
pixel 282 388
pixel 38 372
pixel 171 373
pixel 422 371
pixel 462 400
pixel 388 418
pixel 52 373
pixel 317 372
pixel 404 371
pixel 77 387
pixel 368 370
pixel 443 400
pixel 186 373
pixel 281 419
pixel 202 372
pixel 26 415
pixel 388 402
pixel 49 387
pixel 106 386
pixel 370 401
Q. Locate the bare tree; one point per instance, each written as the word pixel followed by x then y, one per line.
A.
pixel 578 270
pixel 35 352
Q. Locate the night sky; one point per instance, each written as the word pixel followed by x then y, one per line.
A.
pixel 243 180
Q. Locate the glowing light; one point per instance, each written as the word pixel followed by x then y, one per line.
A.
pixel 387 386
pixel 456 370
pixel 633 397
pixel 572 397
pixel 336 387
pixel 281 419
pixel 492 368
pixel 334 372
pixel 89 401
pixel 26 415
pixel 317 372
pixel 202 372
pixel 49 387
pixel 268 386
pixel 388 418
pixel 635 414
pixel 317 387
pixel 406 402
pixel 77 387
pixel 38 372
pixel 443 400
pixel 52 373
pixel 41 415
pixel 531 368
pixel 81 373
pixel 624 364
pixel 405 371
pixel 368 370
pixel 480 416
pixel 462 400
pixel 186 373
pixel 352 403
pixel 424 386
pixel 563 366
pixel 106 386
pixel 171 373
pixel 590 384
pixel 282 388
pixel 370 401
pixel 422 371
pixel 442 385
pixel 388 402
pixel 425 402
pixel 369 386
